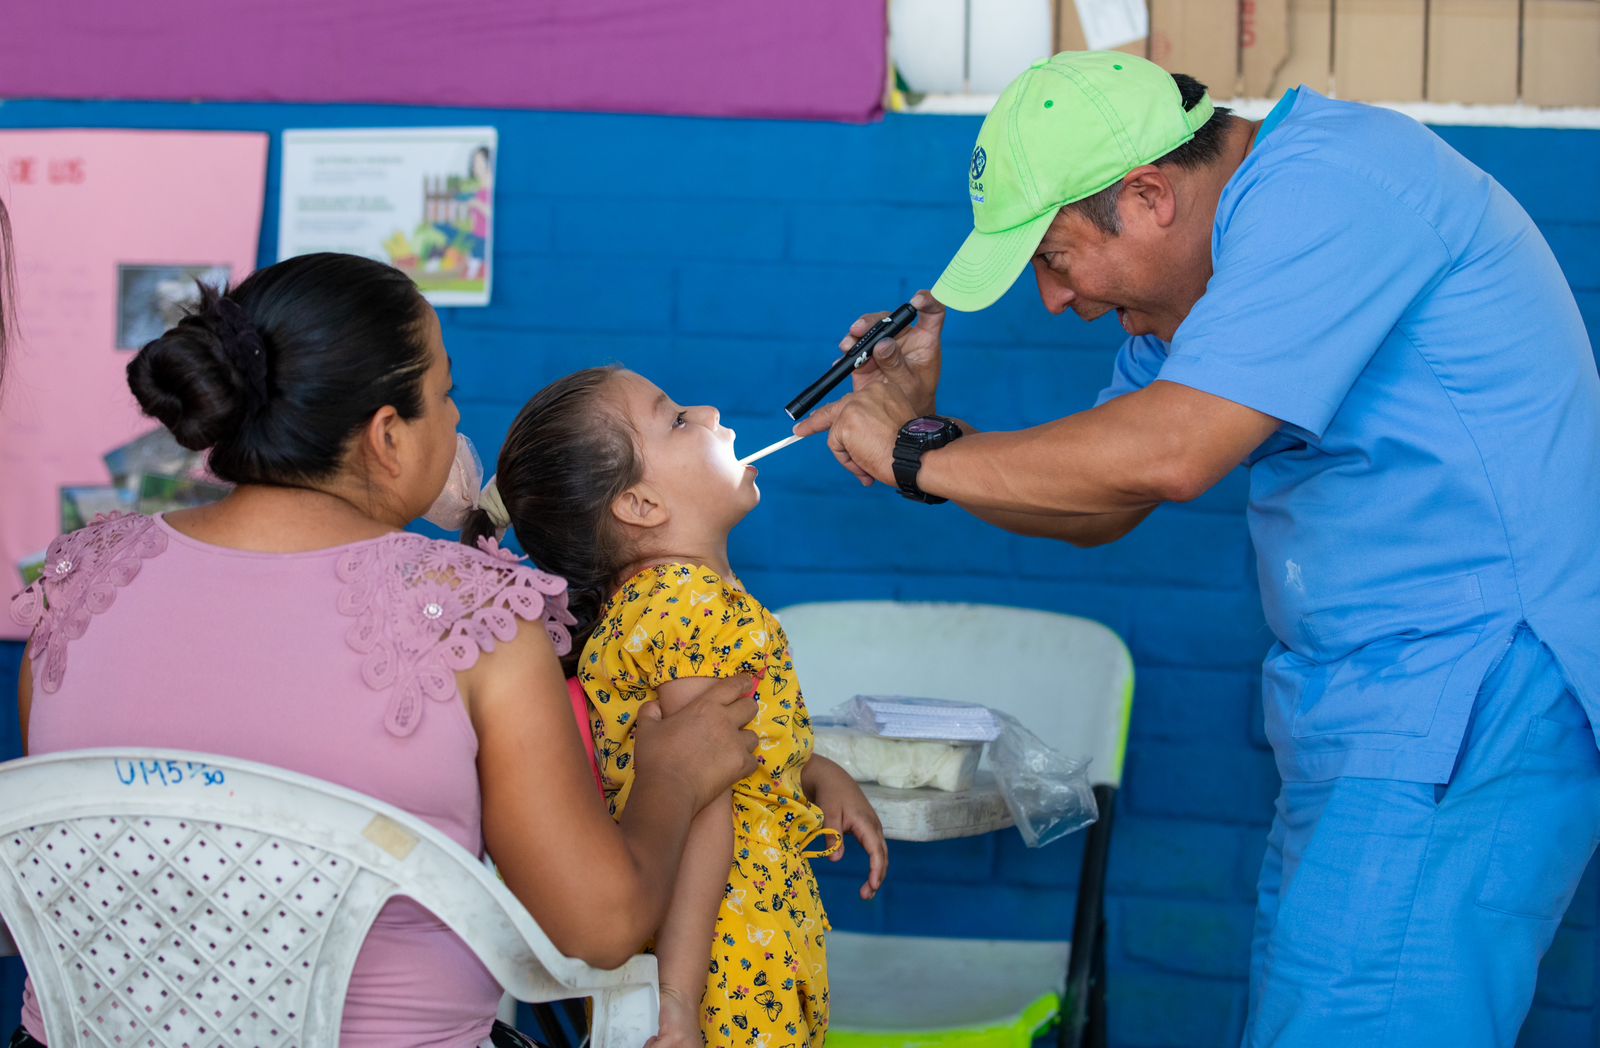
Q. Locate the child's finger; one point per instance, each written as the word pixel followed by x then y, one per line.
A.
pixel 878 859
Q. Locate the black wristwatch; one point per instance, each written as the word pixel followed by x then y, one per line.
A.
pixel 917 438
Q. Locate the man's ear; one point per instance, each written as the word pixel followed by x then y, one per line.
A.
pixel 381 439
pixel 640 506
pixel 1148 189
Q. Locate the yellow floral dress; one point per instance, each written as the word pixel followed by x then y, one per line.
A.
pixel 767 984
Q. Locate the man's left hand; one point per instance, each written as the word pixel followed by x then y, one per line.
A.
pixel 862 429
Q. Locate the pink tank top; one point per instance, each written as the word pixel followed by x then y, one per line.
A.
pixel 339 663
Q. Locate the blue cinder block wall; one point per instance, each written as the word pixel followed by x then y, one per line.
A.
pixel 724 259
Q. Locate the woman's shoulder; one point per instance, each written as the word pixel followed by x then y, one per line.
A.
pixel 80 576
pixel 424 609
pixel 105 552
pixel 451 581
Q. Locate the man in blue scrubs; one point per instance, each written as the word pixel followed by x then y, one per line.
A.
pixel 1374 327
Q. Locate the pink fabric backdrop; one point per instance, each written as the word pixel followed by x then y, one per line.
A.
pixel 812 59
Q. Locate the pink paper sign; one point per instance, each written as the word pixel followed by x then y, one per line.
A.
pixel 109 228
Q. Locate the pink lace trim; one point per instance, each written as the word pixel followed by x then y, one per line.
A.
pixel 82 573
pixel 426 609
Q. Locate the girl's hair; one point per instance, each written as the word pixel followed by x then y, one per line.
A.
pixel 568 456
pixel 277 375
pixel 8 286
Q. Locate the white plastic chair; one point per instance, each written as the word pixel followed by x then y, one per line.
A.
pixel 162 898
pixel 1070 681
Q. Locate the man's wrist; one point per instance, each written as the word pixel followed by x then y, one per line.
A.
pixel 934 478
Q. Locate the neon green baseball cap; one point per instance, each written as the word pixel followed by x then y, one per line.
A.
pixel 1065 129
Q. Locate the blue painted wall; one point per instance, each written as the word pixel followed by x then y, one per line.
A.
pixel 724 259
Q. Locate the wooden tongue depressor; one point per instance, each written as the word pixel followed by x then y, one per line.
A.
pixel 769 449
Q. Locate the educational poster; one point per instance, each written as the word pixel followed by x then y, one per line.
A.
pixel 421 200
pixel 111 229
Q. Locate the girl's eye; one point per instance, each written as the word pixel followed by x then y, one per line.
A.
pixel 680 419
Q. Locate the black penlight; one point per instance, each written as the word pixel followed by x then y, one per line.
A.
pixel 857 355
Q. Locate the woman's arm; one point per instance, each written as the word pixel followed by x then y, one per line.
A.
pixel 25 693
pixel 599 889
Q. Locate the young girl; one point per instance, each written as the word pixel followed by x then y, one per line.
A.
pixel 631 498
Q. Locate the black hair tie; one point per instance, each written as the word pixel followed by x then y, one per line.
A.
pixel 244 346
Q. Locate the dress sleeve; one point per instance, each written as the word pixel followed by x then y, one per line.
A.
pixel 688 622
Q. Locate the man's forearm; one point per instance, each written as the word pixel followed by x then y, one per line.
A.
pixel 1065 468
pixel 1078 529
pixel 1163 443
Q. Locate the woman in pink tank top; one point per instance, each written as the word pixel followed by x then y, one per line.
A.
pixel 296 624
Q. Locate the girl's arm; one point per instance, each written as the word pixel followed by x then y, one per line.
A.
pixel 599 889
pixel 846 809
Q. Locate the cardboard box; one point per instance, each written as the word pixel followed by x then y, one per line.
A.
pixel 1310 59
pixel 1069 32
pixel 1561 52
pixel 1472 51
pixel 1263 45
pixel 1200 38
pixel 1378 48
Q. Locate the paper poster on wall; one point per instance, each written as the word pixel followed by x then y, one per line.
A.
pixel 110 230
pixel 420 199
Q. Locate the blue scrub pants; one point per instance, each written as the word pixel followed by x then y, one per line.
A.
pixel 1413 915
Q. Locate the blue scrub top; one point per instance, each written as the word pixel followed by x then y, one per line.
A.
pixel 1436 480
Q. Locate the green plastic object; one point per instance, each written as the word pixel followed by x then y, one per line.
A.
pixel 1019 1033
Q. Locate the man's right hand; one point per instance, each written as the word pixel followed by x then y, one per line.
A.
pixel 917 348
pixel 704 745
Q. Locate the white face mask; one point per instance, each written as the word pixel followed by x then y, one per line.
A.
pixel 460 494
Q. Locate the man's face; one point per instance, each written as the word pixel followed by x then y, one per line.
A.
pixel 1151 273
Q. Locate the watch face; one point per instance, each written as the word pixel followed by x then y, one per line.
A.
pixel 924 425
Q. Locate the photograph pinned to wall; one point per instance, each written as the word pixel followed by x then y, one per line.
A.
pixel 150 474
pixel 80 505
pixel 420 199
pixel 151 299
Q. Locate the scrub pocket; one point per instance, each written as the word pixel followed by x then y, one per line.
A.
pixel 1547 828
pixel 1381 661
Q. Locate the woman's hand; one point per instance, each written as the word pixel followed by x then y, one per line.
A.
pixel 845 808
pixel 680 1022
pixel 704 745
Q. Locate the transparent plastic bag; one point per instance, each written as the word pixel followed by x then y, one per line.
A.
pixel 1046 791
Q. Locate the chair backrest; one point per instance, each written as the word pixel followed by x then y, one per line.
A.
pixel 1068 680
pixel 163 898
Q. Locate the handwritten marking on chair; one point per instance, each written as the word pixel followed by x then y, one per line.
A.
pixel 390 836
pixel 167 773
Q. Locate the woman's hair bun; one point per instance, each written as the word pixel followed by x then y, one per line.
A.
pixel 204 378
